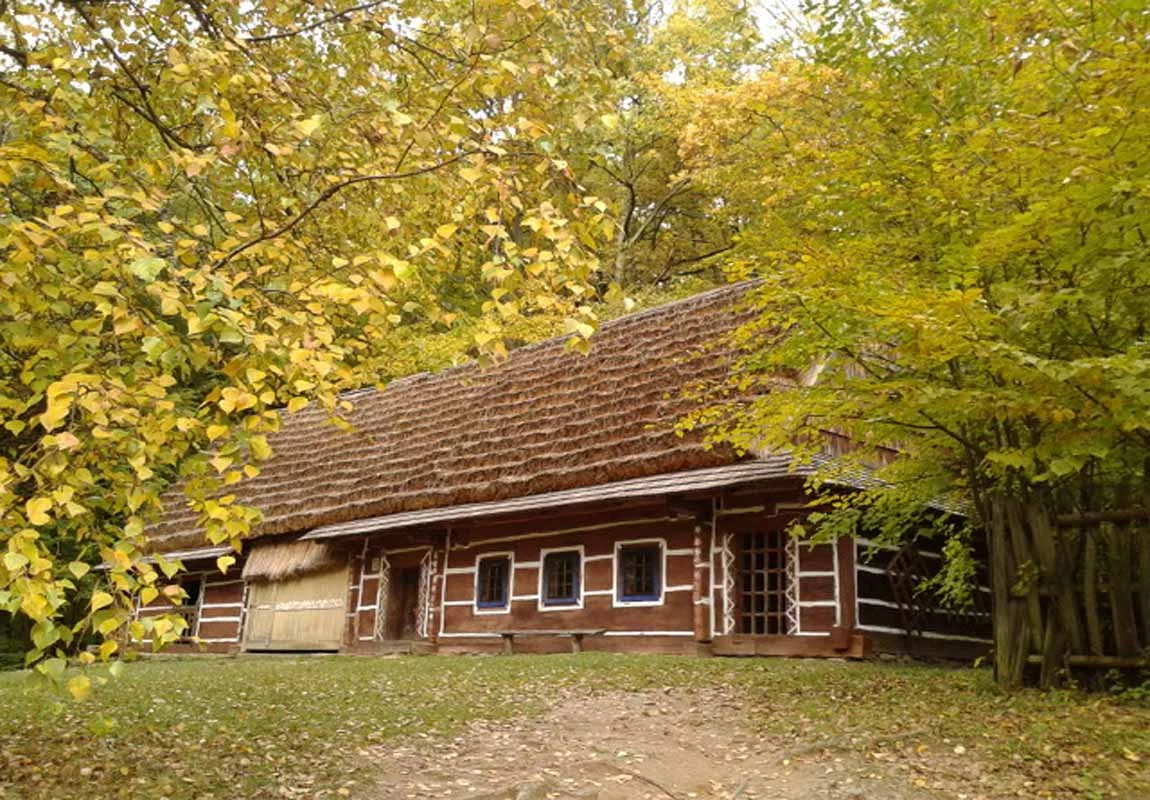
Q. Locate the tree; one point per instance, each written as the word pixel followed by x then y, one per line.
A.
pixel 212 212
pixel 948 205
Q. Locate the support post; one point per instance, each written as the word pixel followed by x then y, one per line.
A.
pixel 702 583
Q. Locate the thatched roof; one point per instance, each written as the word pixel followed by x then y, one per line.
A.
pixel 545 419
pixel 278 561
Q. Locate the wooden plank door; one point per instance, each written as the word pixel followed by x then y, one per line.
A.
pixel 304 613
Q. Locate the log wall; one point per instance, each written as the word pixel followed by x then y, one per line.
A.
pixel 597 535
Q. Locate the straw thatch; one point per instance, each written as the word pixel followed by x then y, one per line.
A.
pixel 277 561
pixel 545 419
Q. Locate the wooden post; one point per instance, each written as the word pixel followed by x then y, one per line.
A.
pixel 847 584
pixel 438 565
pixel 702 583
pixel 351 629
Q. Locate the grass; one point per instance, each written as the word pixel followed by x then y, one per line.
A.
pixel 296 726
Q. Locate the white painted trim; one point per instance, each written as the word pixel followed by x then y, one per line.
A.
pixel 620 544
pixel 870 569
pixel 954 637
pixel 374 576
pixel 876 602
pixel 891 604
pixel 542 534
pixel 524 597
pixel 826 573
pixel 368 608
pixel 681 551
pixel 367 638
pixel 221 605
pixel 497 634
pixel 415 549
pixel 872 543
pixel 705 601
pixel 216 619
pixel 598 592
pixel 528 564
pixel 686 587
pixel 649 633
pixel 730 512
pixel 210 641
pixel 459 571
pixel 600 557
pixel 819 604
pixel 506 607
pixel 458 603
pixel 578 604
pixel 812 633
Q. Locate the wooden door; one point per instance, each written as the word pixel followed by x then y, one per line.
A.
pixel 304 613
pixel 762 585
pixel 403 604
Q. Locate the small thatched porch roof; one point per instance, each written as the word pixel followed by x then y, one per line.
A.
pixel 277 561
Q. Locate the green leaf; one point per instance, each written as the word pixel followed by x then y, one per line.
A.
pixel 147 269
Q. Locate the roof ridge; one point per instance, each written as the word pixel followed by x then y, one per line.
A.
pixel 552 341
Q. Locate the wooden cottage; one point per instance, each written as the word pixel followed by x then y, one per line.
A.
pixel 547 503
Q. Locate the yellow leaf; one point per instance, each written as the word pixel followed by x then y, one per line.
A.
pixel 79 569
pixel 216 431
pixel 80 687
pixel 296 404
pixel 392 223
pixel 37 509
pixel 223 562
pixel 446 231
pixel 309 126
pixel 101 600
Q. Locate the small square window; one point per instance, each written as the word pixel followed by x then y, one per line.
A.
pixel 493 582
pixel 640 568
pixel 561 578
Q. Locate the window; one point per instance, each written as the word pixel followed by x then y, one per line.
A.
pixel 493 582
pixel 640 568
pixel 561 578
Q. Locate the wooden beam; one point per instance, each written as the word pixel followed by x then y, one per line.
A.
pixel 1090 518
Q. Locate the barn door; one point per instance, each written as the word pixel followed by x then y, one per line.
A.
pixel 303 613
pixel 761 605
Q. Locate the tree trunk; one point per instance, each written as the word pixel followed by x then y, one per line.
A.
pixel 1011 622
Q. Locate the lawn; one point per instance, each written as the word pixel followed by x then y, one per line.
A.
pixel 276 726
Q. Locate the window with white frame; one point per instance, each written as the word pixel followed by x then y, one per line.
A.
pixel 493 582
pixel 561 578
pixel 639 572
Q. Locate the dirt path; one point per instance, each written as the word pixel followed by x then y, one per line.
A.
pixel 655 744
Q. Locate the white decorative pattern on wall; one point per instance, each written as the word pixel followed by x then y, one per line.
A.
pixel 792 585
pixel 423 609
pixel 729 571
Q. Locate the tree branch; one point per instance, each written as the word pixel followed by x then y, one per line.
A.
pixel 326 195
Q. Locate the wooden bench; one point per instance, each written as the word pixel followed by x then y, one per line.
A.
pixel 576 637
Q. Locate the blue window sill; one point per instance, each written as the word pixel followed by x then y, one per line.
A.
pixel 562 601
pixel 638 598
pixel 491 605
